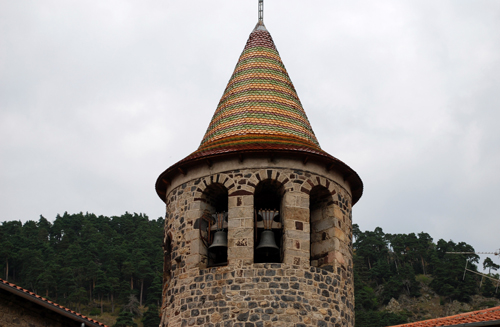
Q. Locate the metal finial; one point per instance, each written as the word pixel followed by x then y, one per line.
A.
pixel 261 10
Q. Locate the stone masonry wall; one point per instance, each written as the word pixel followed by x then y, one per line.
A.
pixel 261 295
pixel 244 294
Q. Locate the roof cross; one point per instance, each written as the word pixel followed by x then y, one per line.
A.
pixel 261 11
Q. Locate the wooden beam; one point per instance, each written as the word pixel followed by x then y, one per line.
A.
pixel 241 157
pixel 182 171
pixel 305 160
pixel 209 162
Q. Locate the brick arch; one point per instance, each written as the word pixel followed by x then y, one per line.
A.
pixel 312 182
pixel 203 183
pixel 288 185
pixel 308 184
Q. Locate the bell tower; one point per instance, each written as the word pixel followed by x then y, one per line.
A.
pixel 258 228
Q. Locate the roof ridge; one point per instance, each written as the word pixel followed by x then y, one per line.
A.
pixel 13 288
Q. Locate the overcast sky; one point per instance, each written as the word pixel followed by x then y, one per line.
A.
pixel 97 98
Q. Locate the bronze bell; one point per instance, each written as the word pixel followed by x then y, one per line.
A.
pixel 267 241
pixel 220 240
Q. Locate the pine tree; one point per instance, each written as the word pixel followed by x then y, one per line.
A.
pixel 151 317
pixel 125 319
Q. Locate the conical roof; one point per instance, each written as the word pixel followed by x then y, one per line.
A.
pixel 259 112
pixel 260 108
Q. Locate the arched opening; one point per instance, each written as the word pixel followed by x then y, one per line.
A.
pixel 322 225
pixel 214 224
pixel 268 225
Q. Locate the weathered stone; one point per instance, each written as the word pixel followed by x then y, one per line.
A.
pixel 296 214
pixel 243 316
pixel 340 234
pixel 276 294
pixel 323 224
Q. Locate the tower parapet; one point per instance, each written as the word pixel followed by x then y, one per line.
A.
pixel 279 205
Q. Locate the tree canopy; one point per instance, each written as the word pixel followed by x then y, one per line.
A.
pixel 84 260
pixel 81 259
pixel 386 266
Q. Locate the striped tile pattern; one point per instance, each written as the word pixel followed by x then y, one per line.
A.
pixel 260 107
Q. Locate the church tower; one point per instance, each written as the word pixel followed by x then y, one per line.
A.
pixel 258 228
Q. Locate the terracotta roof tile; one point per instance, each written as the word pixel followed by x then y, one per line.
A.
pixel 13 288
pixel 481 316
pixel 259 80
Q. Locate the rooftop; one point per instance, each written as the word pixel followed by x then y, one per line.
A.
pixel 30 296
pixel 260 112
pixel 487 317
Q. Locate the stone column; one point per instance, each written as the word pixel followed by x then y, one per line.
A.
pixel 341 214
pixel 240 229
pixel 197 256
pixel 296 237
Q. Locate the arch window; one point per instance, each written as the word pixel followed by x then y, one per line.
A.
pixel 268 230
pixel 214 225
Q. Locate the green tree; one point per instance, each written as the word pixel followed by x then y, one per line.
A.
pixel 47 279
pixel 151 317
pixel 425 250
pixel 488 263
pixel 82 257
pixel 155 290
pixel 10 244
pixel 102 287
pixel 144 272
pixel 78 296
pixel 125 319
pixel 488 289
pixel 449 278
pixel 379 318
pixel 371 246
pixel 6 248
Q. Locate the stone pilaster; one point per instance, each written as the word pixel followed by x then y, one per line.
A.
pixel 241 229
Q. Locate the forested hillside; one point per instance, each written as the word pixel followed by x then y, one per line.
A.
pixel 389 266
pixel 113 265
pixel 88 263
